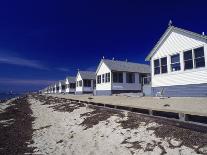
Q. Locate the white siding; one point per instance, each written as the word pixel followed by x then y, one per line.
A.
pixel 178 42
pixel 78 78
pixel 103 70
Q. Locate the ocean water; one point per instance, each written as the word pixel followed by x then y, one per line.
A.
pixel 8 96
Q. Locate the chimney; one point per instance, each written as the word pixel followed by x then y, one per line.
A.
pixel 203 33
pixel 103 57
pixel 113 58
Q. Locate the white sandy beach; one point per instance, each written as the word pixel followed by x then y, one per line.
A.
pixel 62 133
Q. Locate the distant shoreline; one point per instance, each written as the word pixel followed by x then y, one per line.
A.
pixel 4 96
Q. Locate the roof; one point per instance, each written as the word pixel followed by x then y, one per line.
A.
pixel 71 79
pixel 126 66
pixel 62 82
pixel 166 34
pixel 87 75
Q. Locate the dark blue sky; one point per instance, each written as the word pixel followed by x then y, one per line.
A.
pixel 44 41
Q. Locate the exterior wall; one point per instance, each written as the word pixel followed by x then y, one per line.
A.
pixel 110 87
pixel 127 86
pixel 192 90
pixel 147 90
pixel 103 88
pixel 81 90
pixel 78 89
pixel 69 90
pixel 88 89
pixel 60 88
pixel 178 42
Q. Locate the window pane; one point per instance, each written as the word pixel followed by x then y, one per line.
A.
pixel 164 69
pixel 130 78
pixel 157 70
pixel 199 52
pixel 188 64
pixel 120 77
pixel 156 63
pixel 188 55
pixel 175 58
pixel 199 62
pixel 115 77
pixel 163 61
pixel 175 67
pixel 103 78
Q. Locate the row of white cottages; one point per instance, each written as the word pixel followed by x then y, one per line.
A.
pixel 111 77
pixel 177 68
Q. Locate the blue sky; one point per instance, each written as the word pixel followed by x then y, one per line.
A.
pixel 44 41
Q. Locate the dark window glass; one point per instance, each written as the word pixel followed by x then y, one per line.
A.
pixel 72 85
pixel 80 83
pixel 163 61
pixel 188 60
pixel 63 87
pixel 188 55
pixel 157 66
pixel 199 57
pixel 175 58
pixel 175 62
pixel 117 77
pixel 156 63
pixel 199 52
pixel 107 77
pixel 87 83
pixel 99 79
pixel 164 65
pixel 130 78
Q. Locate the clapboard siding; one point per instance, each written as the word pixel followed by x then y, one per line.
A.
pixel 106 85
pixel 192 90
pixel 196 76
pixel 177 42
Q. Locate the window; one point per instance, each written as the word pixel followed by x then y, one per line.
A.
pixel 72 85
pixel 63 87
pixel 199 57
pixel 175 62
pixel 188 60
pixel 164 65
pixel 117 77
pixel 103 78
pixel 107 77
pixel 80 83
pixel 57 88
pixel 99 79
pixel 157 66
pixel 77 84
pixel 130 78
pixel 87 83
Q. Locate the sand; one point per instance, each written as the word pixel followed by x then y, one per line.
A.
pixel 61 132
pixel 187 105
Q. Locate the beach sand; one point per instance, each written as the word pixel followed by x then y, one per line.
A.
pixel 60 126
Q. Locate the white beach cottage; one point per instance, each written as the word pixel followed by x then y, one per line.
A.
pixel 114 77
pixel 62 86
pixel 70 84
pixel 179 63
pixel 85 82
pixel 56 87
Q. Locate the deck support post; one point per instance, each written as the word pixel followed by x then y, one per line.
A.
pixel 182 117
pixel 150 112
